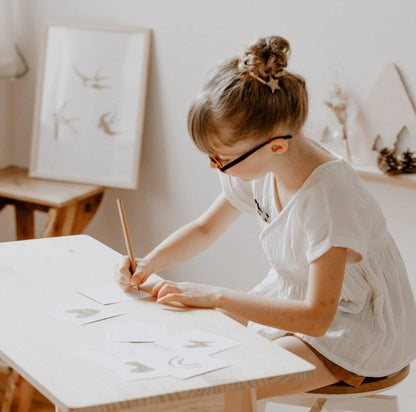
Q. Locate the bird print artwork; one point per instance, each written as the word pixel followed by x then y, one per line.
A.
pixel 94 82
pixel 106 121
pixel 61 120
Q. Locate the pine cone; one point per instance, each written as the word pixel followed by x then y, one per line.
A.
pixel 408 162
pixel 388 162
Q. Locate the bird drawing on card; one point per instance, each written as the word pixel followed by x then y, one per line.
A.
pixel 62 120
pixel 95 82
pixel 83 312
pixel 138 367
pixel 105 122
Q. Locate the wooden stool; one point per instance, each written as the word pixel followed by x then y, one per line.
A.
pixel 342 397
pixel 70 207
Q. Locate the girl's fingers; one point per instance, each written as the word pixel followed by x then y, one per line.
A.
pixel 170 297
pixel 167 288
pixel 124 269
pixel 159 286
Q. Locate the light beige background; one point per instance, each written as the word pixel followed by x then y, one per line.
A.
pixel 331 40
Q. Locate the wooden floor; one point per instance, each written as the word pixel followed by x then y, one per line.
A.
pixel 39 403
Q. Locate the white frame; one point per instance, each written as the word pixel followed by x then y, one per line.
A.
pixel 103 154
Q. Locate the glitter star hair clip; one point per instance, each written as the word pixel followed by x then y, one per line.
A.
pixel 273 81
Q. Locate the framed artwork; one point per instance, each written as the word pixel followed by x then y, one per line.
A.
pixel 90 103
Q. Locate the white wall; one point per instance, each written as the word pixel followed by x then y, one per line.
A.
pixel 331 40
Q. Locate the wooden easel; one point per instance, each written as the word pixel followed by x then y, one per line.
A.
pixel 70 207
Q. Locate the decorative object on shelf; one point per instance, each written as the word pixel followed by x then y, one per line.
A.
pixel 338 104
pixel 408 162
pixel 387 114
pixel 399 159
pixel 89 111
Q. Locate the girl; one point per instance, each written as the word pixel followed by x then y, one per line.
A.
pixel 337 293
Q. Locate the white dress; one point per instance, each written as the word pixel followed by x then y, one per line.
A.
pixel 374 329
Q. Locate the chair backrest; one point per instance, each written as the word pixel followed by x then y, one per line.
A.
pixel 369 384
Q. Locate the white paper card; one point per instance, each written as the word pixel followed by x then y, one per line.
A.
pixel 82 313
pixel 108 293
pixel 144 361
pixel 197 343
pixel 185 367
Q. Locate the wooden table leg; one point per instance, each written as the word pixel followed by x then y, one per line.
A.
pixel 25 223
pixel 242 401
pixel 72 219
pixel 18 395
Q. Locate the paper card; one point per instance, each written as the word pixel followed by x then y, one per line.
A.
pixel 197 343
pixel 185 367
pixel 109 293
pixel 136 332
pixel 144 361
pixel 130 369
pixel 82 313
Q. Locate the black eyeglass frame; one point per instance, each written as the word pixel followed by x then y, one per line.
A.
pixel 245 155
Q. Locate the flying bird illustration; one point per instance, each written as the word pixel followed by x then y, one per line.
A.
pixel 105 122
pixel 138 367
pixel 83 313
pixel 95 82
pixel 62 120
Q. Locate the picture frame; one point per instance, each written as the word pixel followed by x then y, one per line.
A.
pixel 90 105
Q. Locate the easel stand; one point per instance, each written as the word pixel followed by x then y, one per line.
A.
pixel 70 207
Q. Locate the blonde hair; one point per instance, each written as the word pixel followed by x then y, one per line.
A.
pixel 237 103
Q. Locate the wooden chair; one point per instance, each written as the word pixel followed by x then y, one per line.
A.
pixel 342 397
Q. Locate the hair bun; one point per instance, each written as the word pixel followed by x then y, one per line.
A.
pixel 267 56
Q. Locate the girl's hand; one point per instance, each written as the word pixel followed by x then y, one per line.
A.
pixel 125 279
pixel 186 293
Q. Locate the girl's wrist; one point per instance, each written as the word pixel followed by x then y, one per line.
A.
pixel 219 298
pixel 149 264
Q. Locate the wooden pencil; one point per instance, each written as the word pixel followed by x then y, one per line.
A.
pixel 125 227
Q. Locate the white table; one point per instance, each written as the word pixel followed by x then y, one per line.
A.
pixel 36 275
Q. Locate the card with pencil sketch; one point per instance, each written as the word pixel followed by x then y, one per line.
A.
pixel 82 313
pixel 109 293
pixel 197 343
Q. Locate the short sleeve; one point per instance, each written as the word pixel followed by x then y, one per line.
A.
pixel 238 192
pixel 337 211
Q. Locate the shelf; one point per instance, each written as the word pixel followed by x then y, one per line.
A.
pixel 373 173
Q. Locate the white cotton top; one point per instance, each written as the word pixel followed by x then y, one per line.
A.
pixel 374 330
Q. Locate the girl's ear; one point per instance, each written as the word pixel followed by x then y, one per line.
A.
pixel 278 146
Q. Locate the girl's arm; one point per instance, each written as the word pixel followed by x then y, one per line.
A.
pixel 311 316
pixel 185 242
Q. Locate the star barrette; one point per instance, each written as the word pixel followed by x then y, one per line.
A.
pixel 273 81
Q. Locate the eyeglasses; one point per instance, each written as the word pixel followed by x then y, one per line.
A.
pixel 244 156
